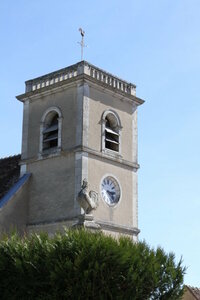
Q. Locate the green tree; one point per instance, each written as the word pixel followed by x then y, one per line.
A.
pixel 83 265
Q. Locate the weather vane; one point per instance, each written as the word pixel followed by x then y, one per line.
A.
pixel 82 42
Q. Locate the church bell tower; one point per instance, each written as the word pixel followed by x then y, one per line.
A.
pixel 80 125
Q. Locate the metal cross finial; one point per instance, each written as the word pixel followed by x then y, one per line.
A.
pixel 82 42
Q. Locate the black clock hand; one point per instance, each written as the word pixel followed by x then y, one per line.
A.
pixel 111 193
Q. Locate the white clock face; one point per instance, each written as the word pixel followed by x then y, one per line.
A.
pixel 110 190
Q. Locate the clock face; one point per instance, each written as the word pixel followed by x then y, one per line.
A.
pixel 110 190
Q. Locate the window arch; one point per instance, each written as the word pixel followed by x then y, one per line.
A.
pixel 111 131
pixel 50 130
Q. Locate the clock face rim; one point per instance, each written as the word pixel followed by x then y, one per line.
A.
pixel 119 189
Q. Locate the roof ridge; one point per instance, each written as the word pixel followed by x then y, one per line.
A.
pixel 10 156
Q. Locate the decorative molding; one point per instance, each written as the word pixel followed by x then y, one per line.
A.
pixel 50 109
pixel 82 70
pixel 82 67
pixel 118 228
pixel 111 111
pixel 77 220
pixel 87 221
pixel 118 160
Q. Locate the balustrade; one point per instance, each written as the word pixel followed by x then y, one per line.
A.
pixel 69 73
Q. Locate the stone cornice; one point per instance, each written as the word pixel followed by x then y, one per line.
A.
pixel 118 228
pixel 107 226
pixel 110 157
pixel 80 71
pixel 118 93
pixel 114 159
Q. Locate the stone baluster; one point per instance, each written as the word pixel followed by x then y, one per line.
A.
pixel 29 86
pixel 51 81
pixel 61 77
pixel 71 72
pixel 92 72
pixel 117 84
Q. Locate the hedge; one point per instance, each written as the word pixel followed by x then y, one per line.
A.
pixel 83 265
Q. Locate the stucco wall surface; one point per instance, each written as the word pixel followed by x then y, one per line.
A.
pixel 188 295
pixel 101 101
pixel 66 101
pixel 13 215
pixel 125 212
pixel 52 189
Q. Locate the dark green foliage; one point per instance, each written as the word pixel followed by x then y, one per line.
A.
pixel 82 265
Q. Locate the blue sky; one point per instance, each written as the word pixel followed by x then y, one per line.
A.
pixel 154 44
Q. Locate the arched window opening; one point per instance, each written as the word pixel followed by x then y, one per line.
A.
pixel 50 131
pixel 112 132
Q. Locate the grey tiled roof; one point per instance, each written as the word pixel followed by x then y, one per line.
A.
pixel 195 291
pixel 9 173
